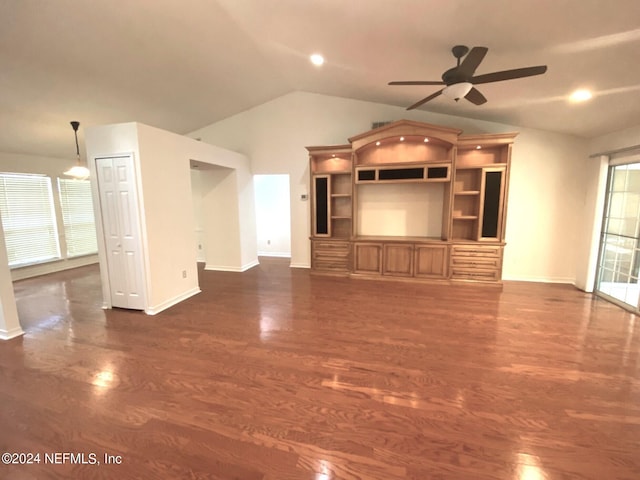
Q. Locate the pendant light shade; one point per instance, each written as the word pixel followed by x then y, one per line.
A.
pixel 78 171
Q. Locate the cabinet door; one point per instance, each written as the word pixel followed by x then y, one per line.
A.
pixel 321 206
pixel 368 258
pixel 431 261
pixel 490 225
pixel 398 260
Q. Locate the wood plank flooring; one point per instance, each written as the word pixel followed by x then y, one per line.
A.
pixel 274 374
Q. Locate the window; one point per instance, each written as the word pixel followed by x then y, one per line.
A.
pixel 77 217
pixel 28 218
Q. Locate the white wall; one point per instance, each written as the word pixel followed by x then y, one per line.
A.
pixel 162 162
pixel 221 219
pixel 629 137
pixel 168 217
pixel 398 210
pixel 198 213
pixel 545 198
pixel 273 215
pixel 54 168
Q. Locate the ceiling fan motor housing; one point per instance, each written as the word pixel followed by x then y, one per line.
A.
pixel 453 75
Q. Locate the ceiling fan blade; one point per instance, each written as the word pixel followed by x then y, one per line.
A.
pixel 509 74
pixel 425 100
pixel 475 97
pixel 417 83
pixel 472 60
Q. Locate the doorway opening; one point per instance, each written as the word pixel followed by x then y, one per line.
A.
pixel 619 259
pixel 273 215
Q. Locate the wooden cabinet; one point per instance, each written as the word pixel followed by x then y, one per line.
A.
pixel 398 260
pixel 367 258
pixel 331 256
pixel 480 187
pixel 331 191
pixel 431 261
pixel 476 262
pixel 411 200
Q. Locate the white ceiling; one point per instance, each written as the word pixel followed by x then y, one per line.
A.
pixel 183 64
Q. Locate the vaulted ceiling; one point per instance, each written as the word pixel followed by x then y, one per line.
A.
pixel 181 65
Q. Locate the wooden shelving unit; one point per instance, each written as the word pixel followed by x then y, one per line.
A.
pixel 473 172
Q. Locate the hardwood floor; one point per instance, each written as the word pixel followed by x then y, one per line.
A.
pixel 274 374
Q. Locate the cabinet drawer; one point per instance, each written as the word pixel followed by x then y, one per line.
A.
pixel 330 254
pixel 331 246
pixel 476 262
pixel 481 275
pixel 328 264
pixel 476 250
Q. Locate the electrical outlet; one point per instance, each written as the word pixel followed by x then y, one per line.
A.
pixel 184 274
pixel 268 242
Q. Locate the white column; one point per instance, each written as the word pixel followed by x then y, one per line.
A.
pixel 9 323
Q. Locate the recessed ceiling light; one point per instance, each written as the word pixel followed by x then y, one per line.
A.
pixel 478 147
pixel 580 95
pixel 317 59
pixel 426 140
pixel 377 144
pixel 402 139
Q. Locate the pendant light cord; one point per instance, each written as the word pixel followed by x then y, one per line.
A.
pixel 75 126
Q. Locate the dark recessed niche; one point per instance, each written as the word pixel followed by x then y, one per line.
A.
pixel 437 172
pixel 491 213
pixel 366 175
pixel 401 174
pixel 322 206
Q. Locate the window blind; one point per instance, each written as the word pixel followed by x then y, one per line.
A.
pixel 28 219
pixel 77 217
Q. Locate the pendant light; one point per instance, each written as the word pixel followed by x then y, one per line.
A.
pixel 78 171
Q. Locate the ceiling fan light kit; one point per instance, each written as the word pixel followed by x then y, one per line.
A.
pixel 459 81
pixel 457 91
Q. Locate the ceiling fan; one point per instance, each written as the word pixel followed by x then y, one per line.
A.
pixel 459 81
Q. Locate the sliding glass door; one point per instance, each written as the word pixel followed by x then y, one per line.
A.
pixel 618 264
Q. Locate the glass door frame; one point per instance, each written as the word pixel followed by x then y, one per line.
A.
pixel 606 217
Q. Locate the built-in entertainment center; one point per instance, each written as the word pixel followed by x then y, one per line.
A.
pixel 411 201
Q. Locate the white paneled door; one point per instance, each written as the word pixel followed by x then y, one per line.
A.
pixel 121 227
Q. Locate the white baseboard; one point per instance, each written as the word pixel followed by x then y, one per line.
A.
pixel 299 265
pixel 226 268
pixel 515 278
pixel 249 265
pixel 275 254
pixel 9 334
pixel 171 302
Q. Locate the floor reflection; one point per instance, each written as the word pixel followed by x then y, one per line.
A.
pixel 529 468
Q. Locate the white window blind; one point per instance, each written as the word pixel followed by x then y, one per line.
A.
pixel 77 216
pixel 28 219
